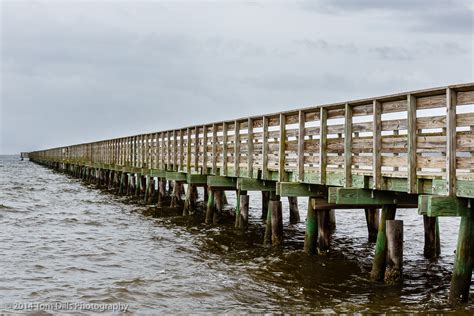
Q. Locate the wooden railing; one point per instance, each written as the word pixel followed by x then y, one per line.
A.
pixel 426 134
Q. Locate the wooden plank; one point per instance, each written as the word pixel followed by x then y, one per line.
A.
pixel 204 150
pixel 224 149
pixel 237 148
pixel 153 173
pixel 198 179
pixel 247 184
pixel 281 151
pixel 300 189
pixel 250 148
pixel 196 149
pixel 188 156
pixel 430 122
pixel 377 145
pixel 301 130
pixel 435 205
pixel 181 150
pixel 411 134
pixel 168 151
pixel 176 176
pixel 265 148
pixel 214 149
pixel 322 145
pixel 451 141
pixel 222 182
pixel 348 145
pixel 175 150
pixel 464 98
pixel 143 150
pixel 354 196
pixel 464 188
pixel 430 102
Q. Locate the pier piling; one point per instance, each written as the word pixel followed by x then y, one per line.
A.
pixel 380 258
pixel 311 232
pixel 244 211
pixel 265 201
pixel 432 248
pixel 393 271
pixel 294 212
pixel 324 230
pixel 277 223
pixel 463 263
pixel 372 218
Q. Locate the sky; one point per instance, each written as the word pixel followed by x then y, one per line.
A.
pixel 74 72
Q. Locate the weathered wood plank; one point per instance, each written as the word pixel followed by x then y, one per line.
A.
pixel 355 196
pixel 348 145
pixel 196 149
pixel 237 148
pixel 222 182
pixel 281 154
pixel 176 176
pixel 214 149
pixel 411 134
pixel 247 184
pixel 204 149
pixel 198 179
pixel 323 145
pixel 300 189
pixel 301 131
pixel 250 144
pixel 188 155
pixel 451 141
pixel 265 148
pixel 435 205
pixel 224 149
pixel 377 145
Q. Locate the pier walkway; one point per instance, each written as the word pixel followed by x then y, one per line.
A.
pixel 412 150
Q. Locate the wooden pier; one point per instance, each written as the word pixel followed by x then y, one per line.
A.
pixel 406 150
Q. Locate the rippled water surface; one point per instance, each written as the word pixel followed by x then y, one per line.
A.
pixel 66 241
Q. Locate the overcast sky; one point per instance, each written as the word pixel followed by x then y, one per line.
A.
pixel 74 72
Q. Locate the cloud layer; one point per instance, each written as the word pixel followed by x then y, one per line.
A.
pixel 78 71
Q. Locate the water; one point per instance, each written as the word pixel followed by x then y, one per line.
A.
pixel 65 241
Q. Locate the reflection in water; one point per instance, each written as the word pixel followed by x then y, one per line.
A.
pixel 62 240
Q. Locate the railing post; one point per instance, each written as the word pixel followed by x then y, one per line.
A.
pixel 281 153
pixel 214 149
pixel 301 121
pixel 224 149
pixel 188 155
pixel 348 145
pixel 196 149
pixel 412 134
pixel 451 141
pixel 323 118
pixel 204 150
pixel 265 148
pixel 250 148
pixel 377 145
pixel 237 149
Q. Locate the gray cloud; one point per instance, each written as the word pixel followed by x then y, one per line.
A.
pixel 79 71
pixel 422 15
pixel 329 48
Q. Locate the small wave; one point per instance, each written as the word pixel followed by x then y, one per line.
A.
pixel 77 269
pixel 93 223
pixel 136 281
